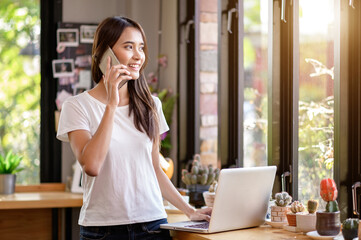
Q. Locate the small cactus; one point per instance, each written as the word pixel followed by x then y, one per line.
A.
pixel 297 206
pixel 213 186
pixel 312 206
pixel 332 206
pixel 204 175
pixel 283 199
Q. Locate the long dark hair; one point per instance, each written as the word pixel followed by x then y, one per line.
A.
pixel 141 103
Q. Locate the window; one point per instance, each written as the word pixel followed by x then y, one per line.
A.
pixel 316 96
pixel 255 82
pixel 20 84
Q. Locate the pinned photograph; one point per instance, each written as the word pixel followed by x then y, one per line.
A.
pixel 68 37
pixel 87 33
pixel 63 68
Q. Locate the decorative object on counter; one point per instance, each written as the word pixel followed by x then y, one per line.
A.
pixel 328 221
pixel 167 165
pixel 350 228
pixel 210 194
pixel 306 222
pixel 312 206
pixel 9 166
pixel 278 212
pixel 198 180
pixel 296 207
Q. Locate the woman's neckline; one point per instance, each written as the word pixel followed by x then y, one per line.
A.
pixel 101 103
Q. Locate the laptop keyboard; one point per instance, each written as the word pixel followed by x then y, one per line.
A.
pixel 203 225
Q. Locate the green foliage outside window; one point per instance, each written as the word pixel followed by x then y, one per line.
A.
pixel 20 85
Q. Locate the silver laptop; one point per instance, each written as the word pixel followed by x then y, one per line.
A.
pixel 241 201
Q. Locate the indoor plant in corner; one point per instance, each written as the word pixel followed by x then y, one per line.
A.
pixel 328 221
pixel 9 165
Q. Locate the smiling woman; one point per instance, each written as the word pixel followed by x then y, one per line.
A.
pixel 20 103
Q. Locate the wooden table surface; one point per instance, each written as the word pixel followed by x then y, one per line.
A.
pixel 29 200
pixel 264 232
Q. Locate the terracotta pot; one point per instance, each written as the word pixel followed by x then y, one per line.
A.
pixel 328 223
pixel 306 222
pixel 291 219
pixel 278 214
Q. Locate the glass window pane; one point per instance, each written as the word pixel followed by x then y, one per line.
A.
pixel 255 82
pixel 208 81
pixel 316 96
pixel 20 84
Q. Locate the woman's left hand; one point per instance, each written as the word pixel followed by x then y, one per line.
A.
pixel 201 214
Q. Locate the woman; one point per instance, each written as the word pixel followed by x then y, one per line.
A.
pixel 114 134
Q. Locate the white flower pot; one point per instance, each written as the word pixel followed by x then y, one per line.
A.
pixel 209 198
pixel 306 222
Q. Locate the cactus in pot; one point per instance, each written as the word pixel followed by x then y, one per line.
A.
pixel 296 207
pixel 278 212
pixel 306 222
pixel 210 194
pixel 328 221
pixel 198 179
pixel 350 228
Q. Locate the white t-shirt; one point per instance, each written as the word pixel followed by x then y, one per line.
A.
pixel 126 189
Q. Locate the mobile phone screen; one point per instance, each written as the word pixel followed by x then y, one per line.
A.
pixel 104 61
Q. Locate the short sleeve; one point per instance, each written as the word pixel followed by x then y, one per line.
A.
pixel 163 126
pixel 72 117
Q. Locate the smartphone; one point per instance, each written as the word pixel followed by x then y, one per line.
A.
pixel 104 61
pixel 113 61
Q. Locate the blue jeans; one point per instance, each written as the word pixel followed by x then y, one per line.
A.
pixel 146 230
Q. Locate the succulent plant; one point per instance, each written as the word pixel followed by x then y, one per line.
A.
pixel 328 192
pixel 312 206
pixel 350 228
pixel 213 186
pixel 297 206
pixel 204 175
pixel 283 199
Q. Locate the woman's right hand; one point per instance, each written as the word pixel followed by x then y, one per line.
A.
pixel 113 76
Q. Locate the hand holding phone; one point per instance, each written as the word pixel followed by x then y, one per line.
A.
pixel 113 61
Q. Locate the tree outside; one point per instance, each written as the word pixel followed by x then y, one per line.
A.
pixel 20 84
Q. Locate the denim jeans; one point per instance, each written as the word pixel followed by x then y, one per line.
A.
pixel 146 230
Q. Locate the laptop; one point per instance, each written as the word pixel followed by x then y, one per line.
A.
pixel 241 201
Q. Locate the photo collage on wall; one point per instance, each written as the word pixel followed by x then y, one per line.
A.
pixel 72 67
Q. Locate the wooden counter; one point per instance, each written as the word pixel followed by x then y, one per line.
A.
pixel 263 232
pixel 37 212
pixel 32 200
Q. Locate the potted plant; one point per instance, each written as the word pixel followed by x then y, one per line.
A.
pixel 306 222
pixel 296 207
pixel 198 180
pixel 9 165
pixel 350 228
pixel 278 212
pixel 328 221
pixel 210 194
